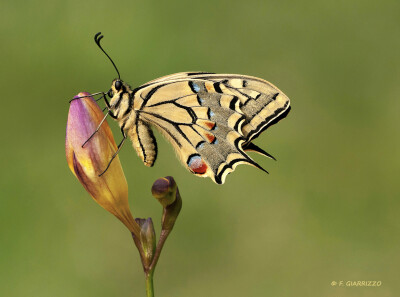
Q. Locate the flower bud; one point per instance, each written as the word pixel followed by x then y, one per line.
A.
pixel 171 212
pixel 147 239
pixel 110 190
pixel 166 192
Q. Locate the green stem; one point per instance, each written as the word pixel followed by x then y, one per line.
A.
pixel 163 237
pixel 149 284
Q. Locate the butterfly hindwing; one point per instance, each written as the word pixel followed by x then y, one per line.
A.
pixel 206 135
pixel 211 119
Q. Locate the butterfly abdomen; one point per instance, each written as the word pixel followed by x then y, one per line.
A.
pixel 143 142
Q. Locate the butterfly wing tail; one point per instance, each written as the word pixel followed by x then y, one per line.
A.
pixel 251 147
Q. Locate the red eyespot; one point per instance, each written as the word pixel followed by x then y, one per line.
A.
pixel 197 164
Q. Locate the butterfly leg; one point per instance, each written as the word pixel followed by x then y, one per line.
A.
pixel 102 121
pixel 108 106
pixel 103 95
pixel 116 153
pixel 97 129
pixel 105 100
pixel 91 95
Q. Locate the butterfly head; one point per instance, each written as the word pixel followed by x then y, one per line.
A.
pixel 119 95
pixel 116 88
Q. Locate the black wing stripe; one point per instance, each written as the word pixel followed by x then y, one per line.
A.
pixel 175 124
pixel 139 140
pixel 189 110
pixel 197 73
pixel 129 109
pixel 217 88
pixel 152 91
pixel 239 121
pixel 169 101
pixel 218 177
pixel 279 114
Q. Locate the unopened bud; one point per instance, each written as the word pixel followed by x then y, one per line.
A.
pixel 171 212
pixel 110 190
pixel 147 239
pixel 164 190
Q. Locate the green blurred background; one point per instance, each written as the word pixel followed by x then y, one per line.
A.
pixel 328 211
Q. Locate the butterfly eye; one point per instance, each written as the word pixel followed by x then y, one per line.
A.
pixel 118 85
pixel 110 93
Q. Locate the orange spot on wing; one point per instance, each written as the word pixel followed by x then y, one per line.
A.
pixel 210 137
pixel 210 125
pixel 197 165
pixel 202 169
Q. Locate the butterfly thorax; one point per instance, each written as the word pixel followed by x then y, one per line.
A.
pixel 124 107
pixel 121 102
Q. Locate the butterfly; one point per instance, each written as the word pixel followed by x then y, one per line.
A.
pixel 210 119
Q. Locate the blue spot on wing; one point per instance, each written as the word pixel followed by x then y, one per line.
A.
pixel 195 158
pixel 195 87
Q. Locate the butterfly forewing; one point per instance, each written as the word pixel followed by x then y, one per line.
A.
pixel 207 117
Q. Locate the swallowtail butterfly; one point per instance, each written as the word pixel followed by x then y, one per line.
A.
pixel 210 119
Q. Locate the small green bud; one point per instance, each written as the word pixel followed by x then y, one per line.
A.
pixel 147 239
pixel 171 212
pixel 164 190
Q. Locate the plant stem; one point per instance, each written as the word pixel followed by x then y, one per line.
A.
pixel 149 284
pixel 163 237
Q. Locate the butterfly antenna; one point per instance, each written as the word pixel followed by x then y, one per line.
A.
pixel 97 39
